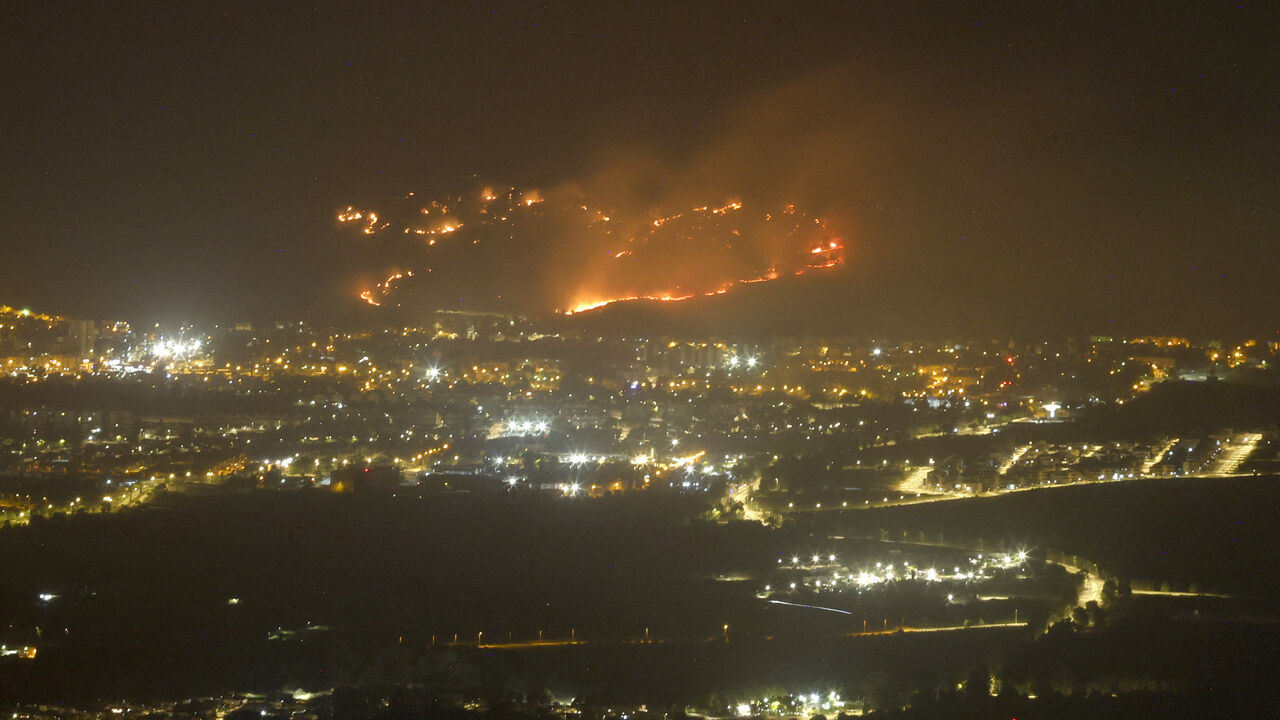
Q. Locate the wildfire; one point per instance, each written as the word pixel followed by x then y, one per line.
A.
pixel 382 290
pixel 828 254
pixel 601 303
pixel 719 290
pixel 587 257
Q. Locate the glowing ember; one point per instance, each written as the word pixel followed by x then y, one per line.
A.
pixel 558 251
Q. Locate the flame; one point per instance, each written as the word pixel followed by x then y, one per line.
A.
pixel 701 251
pixel 723 288
pixel 826 255
pixel 379 292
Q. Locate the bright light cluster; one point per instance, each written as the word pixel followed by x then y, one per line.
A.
pixel 528 427
pixel 976 569
pixel 792 705
pixel 175 349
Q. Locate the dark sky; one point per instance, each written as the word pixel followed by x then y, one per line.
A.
pixel 1026 166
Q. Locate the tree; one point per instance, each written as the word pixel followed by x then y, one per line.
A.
pixel 1123 589
pixel 978 685
pixel 1097 616
pixel 1110 590
pixel 1080 617
pixel 881 691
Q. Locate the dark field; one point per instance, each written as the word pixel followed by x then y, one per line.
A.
pixel 263 591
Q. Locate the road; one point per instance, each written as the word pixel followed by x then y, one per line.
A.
pixel 943 496
pixel 1172 593
pixel 1090 589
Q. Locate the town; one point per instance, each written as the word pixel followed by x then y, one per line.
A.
pixel 101 416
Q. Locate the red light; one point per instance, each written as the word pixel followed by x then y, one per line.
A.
pixel 366 469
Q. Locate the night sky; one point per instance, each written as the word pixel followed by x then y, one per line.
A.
pixel 996 168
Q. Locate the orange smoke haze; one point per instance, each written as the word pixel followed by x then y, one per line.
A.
pixel 767 195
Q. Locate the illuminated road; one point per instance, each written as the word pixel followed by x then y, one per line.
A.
pixel 914 481
pixel 1090 589
pixel 1012 459
pixel 1236 453
pixel 720 637
pixel 1173 593
pixel 945 496
pixel 532 644
pixel 949 628
pixel 811 607
pixel 742 493
pixel 1157 456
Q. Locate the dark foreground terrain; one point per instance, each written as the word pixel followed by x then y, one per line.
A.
pixel 276 591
